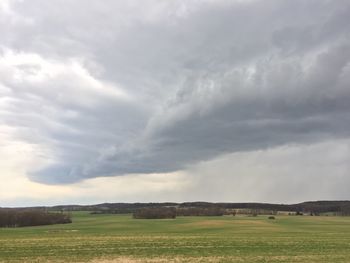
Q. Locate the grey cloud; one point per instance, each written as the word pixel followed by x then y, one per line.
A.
pixel 205 79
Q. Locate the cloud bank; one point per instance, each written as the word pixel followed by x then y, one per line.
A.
pixel 108 88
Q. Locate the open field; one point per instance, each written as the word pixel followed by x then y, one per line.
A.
pixel 119 238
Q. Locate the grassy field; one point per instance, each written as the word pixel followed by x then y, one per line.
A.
pixel 119 238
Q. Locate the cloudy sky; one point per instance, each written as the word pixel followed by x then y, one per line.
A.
pixel 177 100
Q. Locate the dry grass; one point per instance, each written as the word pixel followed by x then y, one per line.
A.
pixel 296 259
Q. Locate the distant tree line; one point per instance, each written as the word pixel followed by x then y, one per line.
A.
pixel 114 211
pixel 314 207
pixel 21 218
pixel 172 212
pixel 155 213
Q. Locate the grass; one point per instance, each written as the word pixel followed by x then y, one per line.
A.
pixel 119 238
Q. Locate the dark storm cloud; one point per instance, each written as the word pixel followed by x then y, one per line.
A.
pixel 154 86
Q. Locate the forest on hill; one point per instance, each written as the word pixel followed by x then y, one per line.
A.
pixel 310 207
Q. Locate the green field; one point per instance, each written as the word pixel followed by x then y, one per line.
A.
pixel 119 238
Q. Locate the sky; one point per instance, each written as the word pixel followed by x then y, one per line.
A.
pixel 177 100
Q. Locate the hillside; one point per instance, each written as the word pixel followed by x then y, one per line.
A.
pixel 315 207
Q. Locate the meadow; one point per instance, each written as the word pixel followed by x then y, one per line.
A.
pixel 119 238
